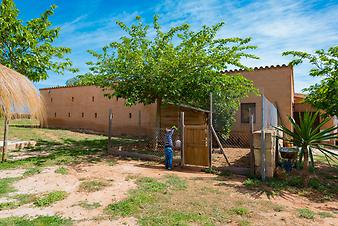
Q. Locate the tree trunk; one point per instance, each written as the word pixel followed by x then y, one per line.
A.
pixel 157 122
pixel 306 166
pixel 4 145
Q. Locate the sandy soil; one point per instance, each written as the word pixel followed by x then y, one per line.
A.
pixel 118 174
pixel 48 181
pixel 238 157
pixel 11 173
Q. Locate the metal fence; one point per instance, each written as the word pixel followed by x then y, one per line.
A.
pixel 148 146
pixel 237 144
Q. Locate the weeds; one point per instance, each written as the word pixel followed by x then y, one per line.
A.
pixel 50 198
pixel 89 206
pixel 306 213
pixel 62 170
pixel 325 215
pixel 242 211
pixel 38 221
pixel 93 185
pixel 20 200
pixel 6 185
pixel 146 193
pixel 32 171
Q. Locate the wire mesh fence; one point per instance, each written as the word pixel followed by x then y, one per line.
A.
pixel 149 145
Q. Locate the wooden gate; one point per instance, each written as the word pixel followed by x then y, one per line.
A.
pixel 196 150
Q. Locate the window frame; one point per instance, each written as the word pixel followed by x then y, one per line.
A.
pixel 248 107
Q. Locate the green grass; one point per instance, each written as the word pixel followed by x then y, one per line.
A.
pixel 32 171
pixel 20 199
pixel 63 146
pixel 251 183
pixel 326 215
pixel 321 189
pixel 6 185
pixel 175 182
pixel 242 211
pixel 173 217
pixel 306 213
pixel 93 185
pixel 50 198
pixel 145 194
pixel 38 221
pixel 62 170
pixel 244 223
pixel 89 206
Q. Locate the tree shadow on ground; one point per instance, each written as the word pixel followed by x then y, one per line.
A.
pixel 65 151
pixel 319 190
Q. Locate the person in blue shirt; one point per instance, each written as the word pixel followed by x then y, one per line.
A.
pixel 168 147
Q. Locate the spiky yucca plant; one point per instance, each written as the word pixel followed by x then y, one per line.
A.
pixel 308 137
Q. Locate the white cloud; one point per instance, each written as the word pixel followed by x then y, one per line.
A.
pixel 275 25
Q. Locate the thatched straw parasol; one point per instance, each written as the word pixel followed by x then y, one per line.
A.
pixel 17 93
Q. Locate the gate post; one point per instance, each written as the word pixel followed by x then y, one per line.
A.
pixel 210 131
pixel 110 119
pixel 182 137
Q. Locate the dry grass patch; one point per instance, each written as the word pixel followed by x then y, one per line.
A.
pixel 93 185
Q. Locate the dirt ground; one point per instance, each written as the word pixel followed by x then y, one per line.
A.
pixel 238 157
pixel 119 174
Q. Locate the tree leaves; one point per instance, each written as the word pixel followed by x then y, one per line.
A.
pixel 28 48
pixel 323 95
pixel 178 66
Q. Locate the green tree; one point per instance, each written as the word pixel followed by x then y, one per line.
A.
pixel 28 47
pixel 179 66
pixel 323 95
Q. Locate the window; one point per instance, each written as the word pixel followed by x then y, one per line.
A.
pixel 51 99
pixel 69 114
pixel 54 114
pixel 95 115
pixel 82 114
pixel 72 99
pixel 93 99
pixel 246 108
pixel 129 115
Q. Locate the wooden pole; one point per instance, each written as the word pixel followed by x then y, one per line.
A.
pixel 219 144
pixel 252 154
pixel 210 132
pixel 110 120
pixel 263 154
pixel 4 145
pixel 182 137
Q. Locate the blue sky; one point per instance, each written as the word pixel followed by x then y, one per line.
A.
pixel 274 25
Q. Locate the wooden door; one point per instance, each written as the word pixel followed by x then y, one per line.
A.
pixel 196 151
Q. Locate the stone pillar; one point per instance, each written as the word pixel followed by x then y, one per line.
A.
pixel 270 150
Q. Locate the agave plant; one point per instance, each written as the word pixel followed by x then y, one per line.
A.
pixel 309 137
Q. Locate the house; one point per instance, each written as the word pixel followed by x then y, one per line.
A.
pixel 85 107
pixel 276 83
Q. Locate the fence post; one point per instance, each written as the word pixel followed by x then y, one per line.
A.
pixel 210 131
pixel 5 142
pixel 263 153
pixel 252 154
pixel 110 119
pixel 182 137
